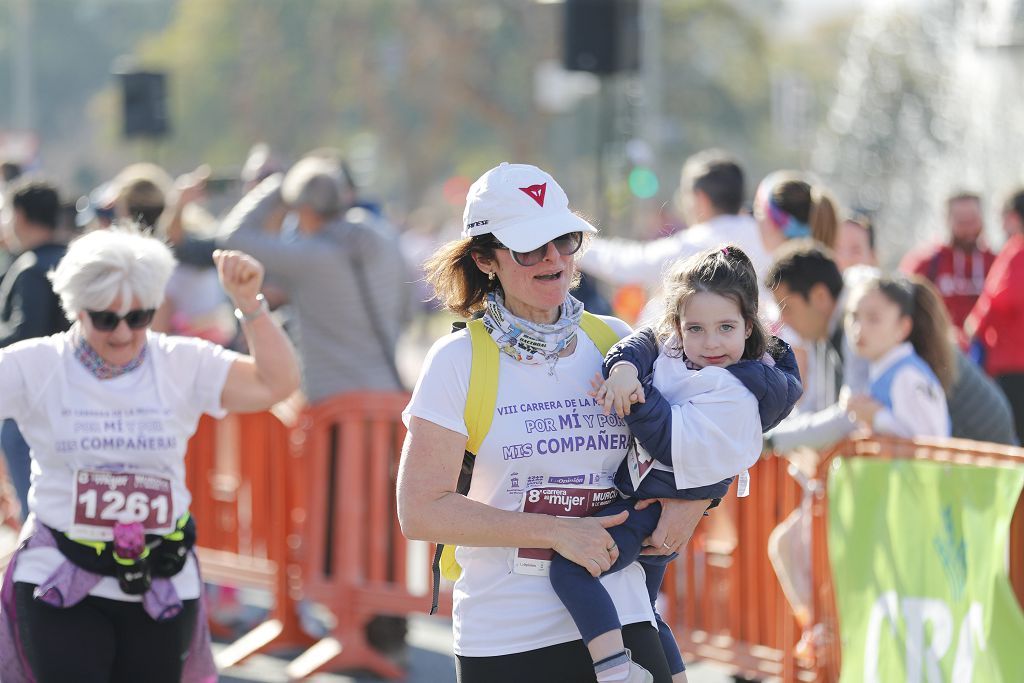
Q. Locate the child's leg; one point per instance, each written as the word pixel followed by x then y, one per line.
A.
pixel 583 595
pixel 655 566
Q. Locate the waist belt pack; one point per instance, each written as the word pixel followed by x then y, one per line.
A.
pixel 133 557
pixel 481 400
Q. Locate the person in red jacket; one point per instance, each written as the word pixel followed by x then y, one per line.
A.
pixel 997 321
pixel 957 268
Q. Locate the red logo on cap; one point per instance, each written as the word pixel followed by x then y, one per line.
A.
pixel 536 192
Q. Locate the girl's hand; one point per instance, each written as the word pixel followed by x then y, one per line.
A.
pixel 241 276
pixel 863 408
pixel 675 527
pixel 585 541
pixel 619 391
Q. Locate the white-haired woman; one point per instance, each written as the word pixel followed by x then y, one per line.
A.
pixel 103 586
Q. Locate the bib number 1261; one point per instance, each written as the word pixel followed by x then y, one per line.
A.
pixel 104 498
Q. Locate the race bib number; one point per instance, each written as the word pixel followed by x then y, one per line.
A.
pixel 560 501
pixel 639 463
pixel 103 498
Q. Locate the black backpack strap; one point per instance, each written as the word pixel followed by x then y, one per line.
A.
pixel 435 574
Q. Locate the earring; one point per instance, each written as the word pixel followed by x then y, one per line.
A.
pixel 491 276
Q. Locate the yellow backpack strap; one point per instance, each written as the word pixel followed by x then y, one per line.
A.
pixel 481 400
pixel 600 332
pixel 482 397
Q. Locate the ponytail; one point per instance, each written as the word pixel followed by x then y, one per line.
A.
pixel 798 209
pixel 823 218
pixel 930 335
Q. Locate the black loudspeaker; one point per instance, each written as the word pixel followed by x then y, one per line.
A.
pixel 601 36
pixel 145 104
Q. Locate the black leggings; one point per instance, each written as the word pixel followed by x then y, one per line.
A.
pixel 102 641
pixel 563 663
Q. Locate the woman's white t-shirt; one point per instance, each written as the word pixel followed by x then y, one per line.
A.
pixel 138 422
pixel 546 431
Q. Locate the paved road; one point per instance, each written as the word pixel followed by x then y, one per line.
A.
pixel 430 661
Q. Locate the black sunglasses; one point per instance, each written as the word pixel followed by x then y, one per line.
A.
pixel 107 321
pixel 565 245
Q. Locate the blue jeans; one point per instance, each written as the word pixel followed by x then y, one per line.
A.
pixel 19 463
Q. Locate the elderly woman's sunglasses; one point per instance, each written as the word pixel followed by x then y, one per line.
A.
pixel 107 321
pixel 565 245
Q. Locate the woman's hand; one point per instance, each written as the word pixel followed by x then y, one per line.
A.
pixel 675 527
pixel 585 541
pixel 241 276
pixel 619 391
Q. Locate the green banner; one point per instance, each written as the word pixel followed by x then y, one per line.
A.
pixel 919 554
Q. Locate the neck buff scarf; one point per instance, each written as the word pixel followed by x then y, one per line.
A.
pixel 95 364
pixel 530 342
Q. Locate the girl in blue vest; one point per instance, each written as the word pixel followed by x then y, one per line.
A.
pixel 901 328
pixel 697 392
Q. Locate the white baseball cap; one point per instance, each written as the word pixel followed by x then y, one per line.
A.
pixel 521 205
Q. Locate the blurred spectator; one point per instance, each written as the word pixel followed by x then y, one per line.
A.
pixel 9 172
pixel 28 306
pixel 342 269
pixel 711 190
pixel 996 322
pixel 259 164
pixel 958 267
pixel 142 191
pixel 855 242
pixel 902 329
pixel 810 291
pixel 788 207
pixel 195 304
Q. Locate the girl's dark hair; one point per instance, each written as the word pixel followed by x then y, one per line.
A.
pixel 724 271
pixel 458 283
pixel 930 326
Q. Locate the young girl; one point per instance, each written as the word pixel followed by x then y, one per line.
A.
pixel 697 392
pixel 901 328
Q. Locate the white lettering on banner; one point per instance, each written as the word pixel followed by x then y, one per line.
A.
pixel 919 658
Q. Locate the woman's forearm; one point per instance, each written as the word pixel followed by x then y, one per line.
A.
pixel 277 366
pixel 429 508
pixel 456 520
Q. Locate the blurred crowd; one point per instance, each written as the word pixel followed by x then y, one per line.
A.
pixel 347 283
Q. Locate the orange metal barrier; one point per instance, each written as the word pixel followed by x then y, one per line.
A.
pixel 243 478
pixel 353 554
pixel 724 601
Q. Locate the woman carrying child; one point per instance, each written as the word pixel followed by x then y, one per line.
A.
pixel 697 392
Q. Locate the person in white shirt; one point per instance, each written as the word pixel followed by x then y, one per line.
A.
pixel 549 450
pixel 711 192
pixel 104 585
pixel 899 326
